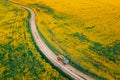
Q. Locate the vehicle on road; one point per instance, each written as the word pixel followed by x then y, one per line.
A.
pixel 63 59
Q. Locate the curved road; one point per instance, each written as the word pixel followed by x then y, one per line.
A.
pixel 68 69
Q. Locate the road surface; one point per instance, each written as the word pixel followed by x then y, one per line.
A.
pixel 68 69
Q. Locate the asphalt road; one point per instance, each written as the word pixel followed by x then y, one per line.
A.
pixel 68 69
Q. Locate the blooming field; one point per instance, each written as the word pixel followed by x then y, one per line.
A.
pixel 19 58
pixel 85 31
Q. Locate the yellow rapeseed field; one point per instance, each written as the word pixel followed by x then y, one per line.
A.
pixel 85 31
pixel 19 58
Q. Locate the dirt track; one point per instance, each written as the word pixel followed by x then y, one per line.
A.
pixel 68 69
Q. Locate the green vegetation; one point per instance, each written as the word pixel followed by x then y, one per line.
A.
pixel 85 31
pixel 66 36
pixel 19 58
